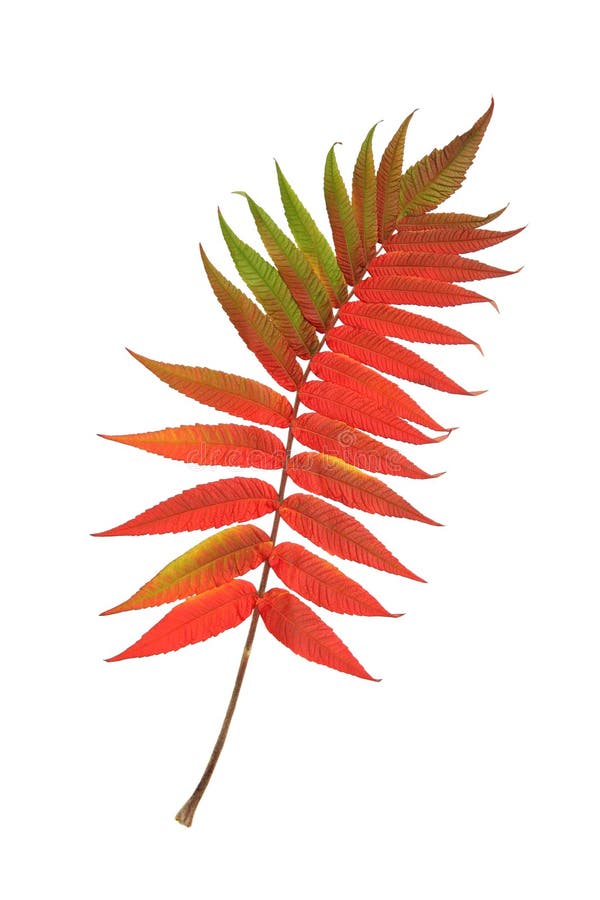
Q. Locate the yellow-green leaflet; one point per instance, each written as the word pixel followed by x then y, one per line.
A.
pixel 312 242
pixel 272 293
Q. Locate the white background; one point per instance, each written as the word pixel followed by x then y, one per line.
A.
pixel 471 770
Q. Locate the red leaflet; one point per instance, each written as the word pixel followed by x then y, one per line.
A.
pixel 338 439
pixel 339 534
pixel 216 560
pixel 211 445
pixel 322 583
pixel 197 619
pixel 437 266
pixel 446 239
pixel 205 506
pixel 339 369
pixel 297 627
pixel 407 291
pixel 392 358
pixel 337 480
pixel 331 400
pixel 233 394
pixel 384 319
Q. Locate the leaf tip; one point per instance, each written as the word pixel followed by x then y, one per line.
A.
pixel 135 355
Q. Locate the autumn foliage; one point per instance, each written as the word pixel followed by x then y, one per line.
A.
pixel 329 325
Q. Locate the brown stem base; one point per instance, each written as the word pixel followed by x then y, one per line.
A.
pixel 186 814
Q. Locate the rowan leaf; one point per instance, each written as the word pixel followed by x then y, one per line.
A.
pixel 336 438
pixel 312 242
pixel 322 583
pixel 358 412
pixel 438 175
pixel 392 358
pixel 294 268
pixel 339 534
pixel 301 630
pixel 364 196
pixel 257 330
pixel 196 619
pixel 403 290
pixel 228 393
pixel 384 319
pixel 413 256
pixel 435 266
pixel 344 483
pixel 204 506
pixel 346 372
pixel 447 240
pixel 272 293
pixel 346 238
pixel 211 445
pixel 216 560
pixel 389 177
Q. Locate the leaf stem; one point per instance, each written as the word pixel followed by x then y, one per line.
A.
pixel 186 814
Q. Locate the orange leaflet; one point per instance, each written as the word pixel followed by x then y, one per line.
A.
pixel 340 369
pixel 337 480
pixel 404 290
pixel 233 394
pixel 204 506
pixel 384 319
pixel 196 619
pixel 211 445
pixel 338 533
pixel 353 446
pixel 331 400
pixel 322 583
pixel 377 351
pixel 297 627
pixel 436 266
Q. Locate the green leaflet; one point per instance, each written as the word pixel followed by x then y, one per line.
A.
pixel 364 196
pixel 348 246
pixel 437 176
pixel 294 268
pixel 271 291
pixel 389 176
pixel 312 242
